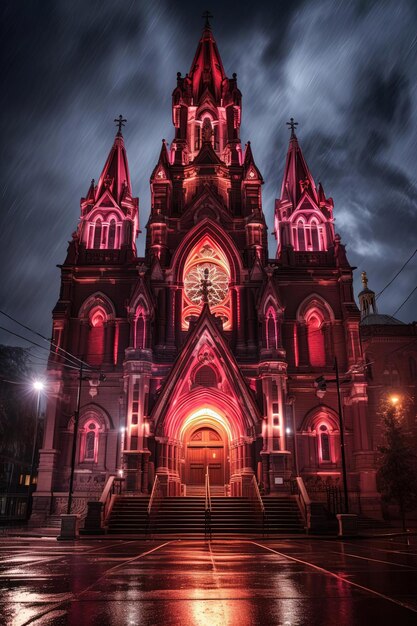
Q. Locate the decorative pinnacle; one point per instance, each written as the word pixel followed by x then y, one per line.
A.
pixel 207 16
pixel 364 279
pixel 120 122
pixel 292 124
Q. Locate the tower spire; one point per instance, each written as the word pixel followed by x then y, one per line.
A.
pixel 367 300
pixel 297 176
pixel 115 175
pixel 207 72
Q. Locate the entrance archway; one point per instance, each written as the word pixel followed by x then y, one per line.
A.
pixel 205 448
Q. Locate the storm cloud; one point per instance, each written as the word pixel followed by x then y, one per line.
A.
pixel 345 70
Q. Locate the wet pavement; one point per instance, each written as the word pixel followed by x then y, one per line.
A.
pixel 231 582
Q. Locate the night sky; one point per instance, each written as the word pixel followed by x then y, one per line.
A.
pixel 346 71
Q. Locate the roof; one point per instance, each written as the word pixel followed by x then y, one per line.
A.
pixel 379 319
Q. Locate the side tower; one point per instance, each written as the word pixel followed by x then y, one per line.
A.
pixel 320 327
pixel 90 321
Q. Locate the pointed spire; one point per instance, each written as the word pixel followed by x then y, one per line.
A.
pixel 320 194
pixel 249 166
pixel 297 177
pixel 115 176
pixel 91 191
pixel 207 72
pixel 161 169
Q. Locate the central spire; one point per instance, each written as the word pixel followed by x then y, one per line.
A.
pixel 207 70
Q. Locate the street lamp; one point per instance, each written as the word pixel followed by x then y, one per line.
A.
pixel 37 386
pixel 394 400
pixel 81 377
pixel 321 387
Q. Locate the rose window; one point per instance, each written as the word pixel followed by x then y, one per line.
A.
pixel 217 284
pixel 206 278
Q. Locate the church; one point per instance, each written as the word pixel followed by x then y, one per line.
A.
pixel 202 356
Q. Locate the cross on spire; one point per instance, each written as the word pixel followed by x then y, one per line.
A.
pixel 207 16
pixel 120 122
pixel 292 124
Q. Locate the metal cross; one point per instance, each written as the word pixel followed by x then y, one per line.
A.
pixel 120 121
pixel 292 124
pixel 207 16
pixel 205 284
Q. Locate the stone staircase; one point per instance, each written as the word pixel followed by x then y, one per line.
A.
pixel 129 515
pixel 185 516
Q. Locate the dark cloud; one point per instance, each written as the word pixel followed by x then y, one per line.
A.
pixel 346 71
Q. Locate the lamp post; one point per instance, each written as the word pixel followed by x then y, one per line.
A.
pixel 38 386
pixel 101 378
pixel 321 385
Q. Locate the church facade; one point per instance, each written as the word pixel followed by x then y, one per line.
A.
pixel 204 353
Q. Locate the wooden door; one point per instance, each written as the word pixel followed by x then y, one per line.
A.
pixel 205 449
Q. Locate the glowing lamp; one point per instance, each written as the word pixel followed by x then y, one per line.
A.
pixel 394 400
pixel 38 385
pixel 288 431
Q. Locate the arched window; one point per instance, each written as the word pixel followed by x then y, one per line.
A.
pixel 112 235
pixel 315 242
pixel 95 348
pixel 141 330
pixel 315 339
pixel 271 330
pixel 301 239
pixel 89 441
pixel 197 137
pixel 206 376
pixel 97 235
pixel 207 265
pixel 324 451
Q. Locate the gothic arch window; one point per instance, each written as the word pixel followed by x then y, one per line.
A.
pixel 112 235
pixel 197 136
pixel 92 425
pixel 301 235
pixel 205 377
pixel 206 262
pixel 324 444
pixel 315 239
pixel 315 338
pixel 308 236
pixel 314 317
pixel 141 328
pixel 95 347
pixel 323 425
pixel 97 234
pixel 271 329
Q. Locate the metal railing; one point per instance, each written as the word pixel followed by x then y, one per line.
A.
pixel 207 506
pixel 112 488
pixel 258 506
pixel 157 495
pixel 298 489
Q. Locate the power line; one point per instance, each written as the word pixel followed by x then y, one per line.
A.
pixel 54 345
pixel 397 274
pixel 74 365
pixel 406 300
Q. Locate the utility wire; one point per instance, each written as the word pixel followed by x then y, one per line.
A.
pixel 54 345
pixel 406 300
pixel 397 274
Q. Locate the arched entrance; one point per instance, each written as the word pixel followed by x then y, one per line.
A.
pixel 205 448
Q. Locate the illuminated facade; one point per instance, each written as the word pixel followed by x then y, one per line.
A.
pixel 210 348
